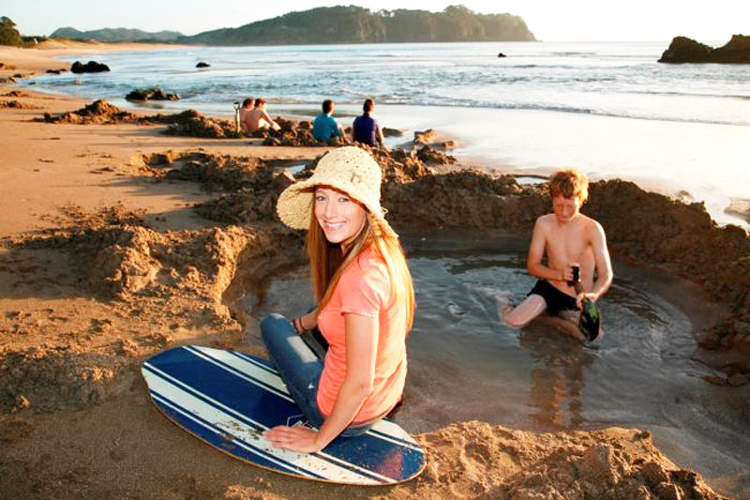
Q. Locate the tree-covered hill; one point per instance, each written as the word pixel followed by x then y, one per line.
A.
pixel 341 25
pixel 116 35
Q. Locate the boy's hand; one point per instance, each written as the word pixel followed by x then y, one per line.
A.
pixel 569 274
pixel 593 297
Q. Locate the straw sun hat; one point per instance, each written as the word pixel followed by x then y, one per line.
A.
pixel 348 169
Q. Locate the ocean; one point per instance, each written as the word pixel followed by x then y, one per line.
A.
pixel 607 108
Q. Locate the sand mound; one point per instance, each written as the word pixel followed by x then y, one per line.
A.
pixel 97 112
pixel 473 460
pixel 142 290
pixel 191 123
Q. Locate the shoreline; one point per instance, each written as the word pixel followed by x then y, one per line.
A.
pixel 539 140
pixel 128 268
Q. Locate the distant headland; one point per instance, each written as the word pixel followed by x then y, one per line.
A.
pixel 117 35
pixel 339 25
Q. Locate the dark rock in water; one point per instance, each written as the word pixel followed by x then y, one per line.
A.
pixel 55 71
pixel 392 132
pixel 202 65
pixel 89 67
pixel 737 51
pixel 501 55
pixel 686 50
pixel 155 94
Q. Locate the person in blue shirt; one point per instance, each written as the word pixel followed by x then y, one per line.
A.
pixel 325 126
pixel 366 129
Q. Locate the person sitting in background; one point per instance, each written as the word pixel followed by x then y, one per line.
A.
pixel 259 119
pixel 325 126
pixel 247 107
pixel 366 129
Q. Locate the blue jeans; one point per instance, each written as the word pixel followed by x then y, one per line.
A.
pixel 300 369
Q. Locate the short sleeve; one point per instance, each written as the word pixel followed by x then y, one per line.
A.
pixel 363 290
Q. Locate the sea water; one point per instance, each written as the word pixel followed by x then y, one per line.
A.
pixel 607 108
pixel 466 364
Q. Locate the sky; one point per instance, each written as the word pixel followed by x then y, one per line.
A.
pixel 549 20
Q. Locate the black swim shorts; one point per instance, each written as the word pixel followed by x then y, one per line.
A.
pixel 556 300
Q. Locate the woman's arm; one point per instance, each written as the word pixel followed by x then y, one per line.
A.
pixel 306 322
pixel 361 350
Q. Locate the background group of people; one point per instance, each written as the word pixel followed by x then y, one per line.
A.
pixel 365 129
pixel 254 116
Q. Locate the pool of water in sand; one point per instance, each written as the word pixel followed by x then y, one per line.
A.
pixel 465 364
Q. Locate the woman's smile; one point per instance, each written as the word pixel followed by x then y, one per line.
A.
pixel 340 217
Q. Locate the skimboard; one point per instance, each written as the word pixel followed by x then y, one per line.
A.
pixel 228 399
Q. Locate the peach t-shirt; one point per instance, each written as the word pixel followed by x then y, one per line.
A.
pixel 364 288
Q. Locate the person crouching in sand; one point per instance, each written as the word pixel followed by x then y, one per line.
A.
pixel 576 248
pixel 365 307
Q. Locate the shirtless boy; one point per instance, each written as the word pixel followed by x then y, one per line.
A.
pixel 569 239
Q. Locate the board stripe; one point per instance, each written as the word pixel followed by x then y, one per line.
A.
pixel 212 410
pixel 177 385
pixel 392 438
pixel 263 364
pixel 241 371
pixel 255 450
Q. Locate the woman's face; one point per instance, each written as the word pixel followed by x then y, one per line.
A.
pixel 340 217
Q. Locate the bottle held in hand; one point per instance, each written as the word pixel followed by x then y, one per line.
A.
pixel 576 277
pixel 589 321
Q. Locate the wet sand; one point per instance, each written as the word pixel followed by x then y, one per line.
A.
pixel 106 260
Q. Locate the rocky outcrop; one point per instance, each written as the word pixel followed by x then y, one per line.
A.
pixel 153 94
pixel 686 50
pixel 89 67
pixel 194 124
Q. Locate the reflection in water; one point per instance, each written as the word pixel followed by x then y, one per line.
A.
pixel 465 364
pixel 557 383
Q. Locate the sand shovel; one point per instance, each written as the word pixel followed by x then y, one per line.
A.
pixel 237 118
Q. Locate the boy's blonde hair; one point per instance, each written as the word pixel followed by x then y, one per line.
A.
pixel 569 183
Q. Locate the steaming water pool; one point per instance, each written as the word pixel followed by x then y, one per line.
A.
pixel 465 364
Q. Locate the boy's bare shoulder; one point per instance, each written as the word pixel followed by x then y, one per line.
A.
pixel 592 223
pixel 546 219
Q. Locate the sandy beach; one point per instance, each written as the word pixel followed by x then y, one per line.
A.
pixel 106 259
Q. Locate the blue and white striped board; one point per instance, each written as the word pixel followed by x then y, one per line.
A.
pixel 228 399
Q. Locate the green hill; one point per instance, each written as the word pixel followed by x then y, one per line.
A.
pixel 116 35
pixel 343 25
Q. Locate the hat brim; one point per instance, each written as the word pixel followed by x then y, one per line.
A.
pixel 295 204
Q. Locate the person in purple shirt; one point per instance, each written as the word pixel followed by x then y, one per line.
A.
pixel 365 129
